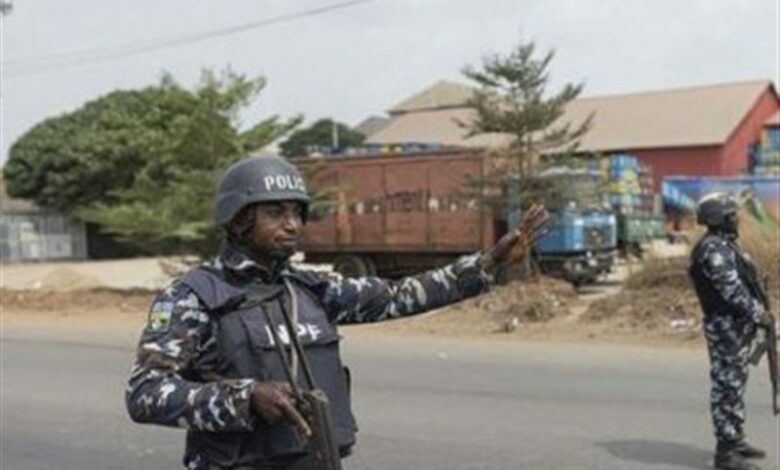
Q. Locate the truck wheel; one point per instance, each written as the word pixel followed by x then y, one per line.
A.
pixel 354 266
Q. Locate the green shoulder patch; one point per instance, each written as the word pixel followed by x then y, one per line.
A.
pixel 160 316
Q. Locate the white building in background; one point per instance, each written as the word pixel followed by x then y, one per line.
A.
pixel 30 233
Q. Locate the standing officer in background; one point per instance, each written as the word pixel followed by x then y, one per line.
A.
pixel 732 313
pixel 207 362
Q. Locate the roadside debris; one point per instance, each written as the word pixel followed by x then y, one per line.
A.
pixel 659 298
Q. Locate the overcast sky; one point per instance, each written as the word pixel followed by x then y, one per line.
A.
pixel 353 62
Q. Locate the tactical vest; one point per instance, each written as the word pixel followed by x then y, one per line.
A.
pixel 247 350
pixel 711 301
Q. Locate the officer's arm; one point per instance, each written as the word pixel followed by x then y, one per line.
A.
pixel 371 299
pixel 720 267
pixel 177 336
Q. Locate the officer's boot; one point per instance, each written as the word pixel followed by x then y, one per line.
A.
pixel 749 452
pixel 727 457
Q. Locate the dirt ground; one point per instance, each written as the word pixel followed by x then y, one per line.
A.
pixel 540 310
pixel 650 302
pixel 659 302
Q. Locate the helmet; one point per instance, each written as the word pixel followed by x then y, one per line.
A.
pixel 714 208
pixel 259 179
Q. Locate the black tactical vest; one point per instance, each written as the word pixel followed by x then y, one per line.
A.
pixel 711 301
pixel 247 350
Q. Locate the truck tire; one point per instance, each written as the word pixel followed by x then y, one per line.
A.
pixel 354 266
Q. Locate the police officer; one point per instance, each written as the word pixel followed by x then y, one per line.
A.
pixel 719 270
pixel 207 363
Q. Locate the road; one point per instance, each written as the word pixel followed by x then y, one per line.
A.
pixel 420 403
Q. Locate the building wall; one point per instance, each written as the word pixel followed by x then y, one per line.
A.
pixel 748 132
pixel 41 236
pixel 686 161
pixel 729 159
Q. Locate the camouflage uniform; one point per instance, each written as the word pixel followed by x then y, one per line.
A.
pixel 173 379
pixel 731 316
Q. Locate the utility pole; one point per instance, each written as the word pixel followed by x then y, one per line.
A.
pixel 334 141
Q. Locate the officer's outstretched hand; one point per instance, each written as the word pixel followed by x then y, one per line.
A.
pixel 513 246
pixel 275 402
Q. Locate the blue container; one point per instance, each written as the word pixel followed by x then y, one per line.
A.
pixel 673 198
pixel 766 156
pixel 764 187
pixel 772 138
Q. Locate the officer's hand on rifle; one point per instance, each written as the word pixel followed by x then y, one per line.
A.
pixel 767 320
pixel 275 402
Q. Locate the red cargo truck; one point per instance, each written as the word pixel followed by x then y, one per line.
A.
pixel 397 214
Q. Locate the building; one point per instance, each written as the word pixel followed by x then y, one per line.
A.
pixel 693 131
pixel 371 125
pixel 30 233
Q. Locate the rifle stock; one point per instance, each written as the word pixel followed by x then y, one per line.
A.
pixel 771 349
pixel 774 368
pixel 323 451
pixel 768 345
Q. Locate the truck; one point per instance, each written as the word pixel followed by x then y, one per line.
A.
pixel 579 245
pixel 635 231
pixel 580 239
pixel 397 214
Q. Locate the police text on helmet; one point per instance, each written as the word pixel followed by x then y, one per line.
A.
pixel 284 183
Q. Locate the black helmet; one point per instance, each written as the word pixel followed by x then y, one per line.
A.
pixel 714 208
pixel 259 179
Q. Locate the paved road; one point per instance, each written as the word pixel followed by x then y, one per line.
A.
pixel 421 404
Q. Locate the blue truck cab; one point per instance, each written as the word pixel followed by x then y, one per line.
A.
pixel 580 245
pixel 579 242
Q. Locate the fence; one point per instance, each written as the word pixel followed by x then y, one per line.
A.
pixel 41 236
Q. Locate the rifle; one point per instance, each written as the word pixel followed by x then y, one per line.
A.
pixel 768 344
pixel 313 403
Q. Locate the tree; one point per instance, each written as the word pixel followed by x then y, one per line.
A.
pixel 73 160
pixel 320 137
pixel 512 100
pixel 143 164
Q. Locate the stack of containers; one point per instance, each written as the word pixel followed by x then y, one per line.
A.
pixel 767 155
pixel 629 184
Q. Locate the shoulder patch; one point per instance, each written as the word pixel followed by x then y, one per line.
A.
pixel 160 316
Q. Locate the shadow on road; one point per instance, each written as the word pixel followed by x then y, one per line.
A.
pixel 659 453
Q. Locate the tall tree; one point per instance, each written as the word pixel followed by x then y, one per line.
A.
pixel 324 136
pixel 512 100
pixel 143 164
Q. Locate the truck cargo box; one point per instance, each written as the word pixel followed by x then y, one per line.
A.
pixel 398 213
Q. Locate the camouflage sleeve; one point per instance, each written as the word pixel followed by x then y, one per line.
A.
pixel 177 337
pixel 373 299
pixel 720 267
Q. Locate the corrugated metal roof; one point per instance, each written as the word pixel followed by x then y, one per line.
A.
pixel 704 115
pixel 442 126
pixel 440 95
pixel 371 125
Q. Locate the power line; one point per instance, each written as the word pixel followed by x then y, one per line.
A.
pixel 66 60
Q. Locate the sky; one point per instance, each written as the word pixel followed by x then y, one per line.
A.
pixel 362 57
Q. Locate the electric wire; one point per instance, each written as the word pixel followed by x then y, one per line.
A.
pixel 66 60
